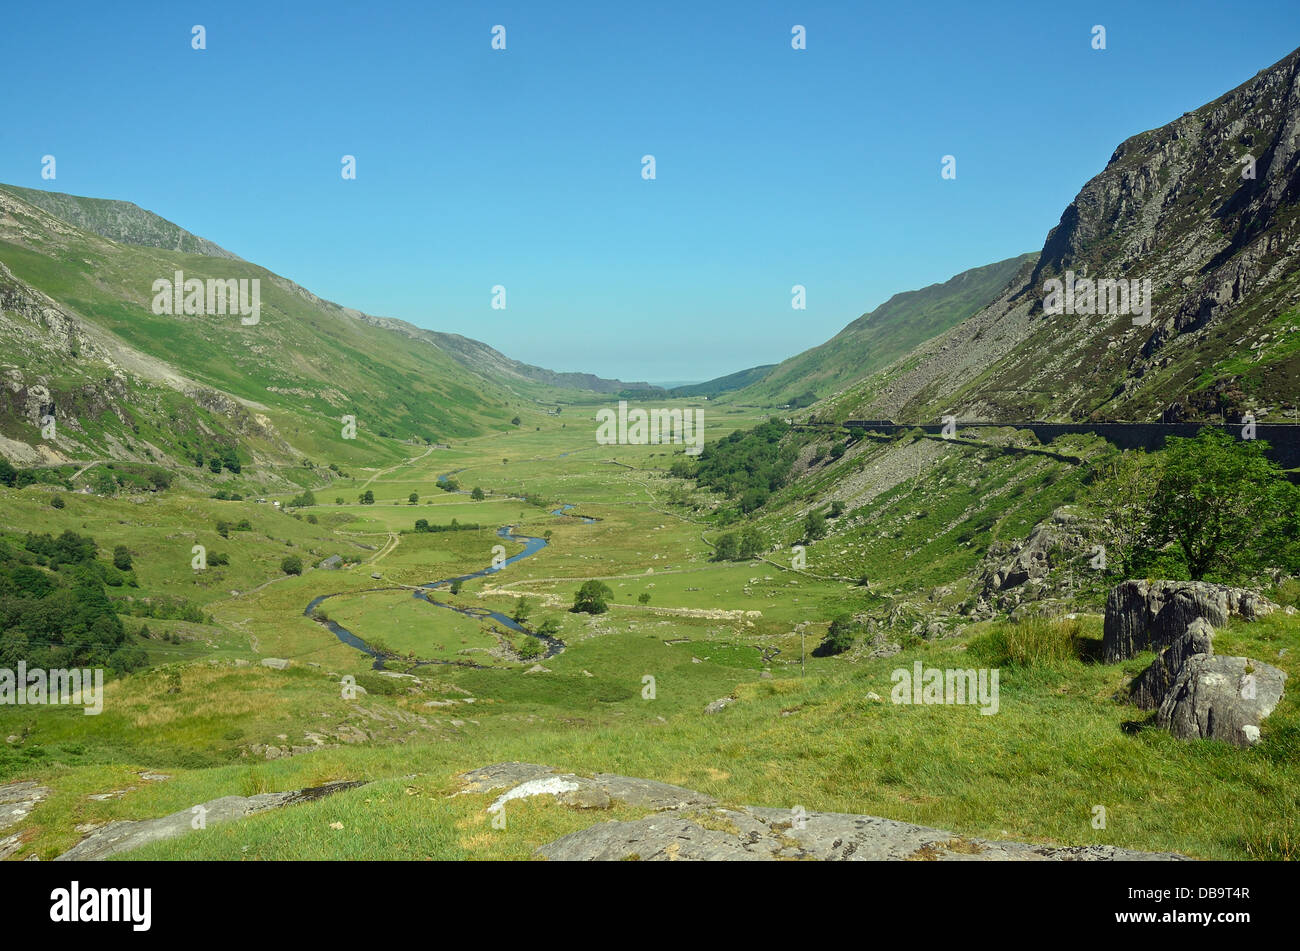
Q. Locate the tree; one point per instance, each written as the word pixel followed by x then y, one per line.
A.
pixel 291 565
pixel 1121 497
pixel 368 497
pixel 522 609
pixel 727 547
pixel 839 637
pixel 477 494
pixel 592 598
pixel 413 498
pixel 122 558
pixel 515 421
pixel 837 508
pixel 1229 509
pixel 549 628
pixel 643 597
pixel 8 474
pixel 455 586
pixel 750 544
pixel 814 526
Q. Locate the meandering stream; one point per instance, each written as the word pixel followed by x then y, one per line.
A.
pixel 532 546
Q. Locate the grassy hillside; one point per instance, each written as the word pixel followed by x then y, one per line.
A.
pixel 77 312
pixel 918 515
pixel 878 338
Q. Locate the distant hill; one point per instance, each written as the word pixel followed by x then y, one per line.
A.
pixel 724 384
pixel 878 338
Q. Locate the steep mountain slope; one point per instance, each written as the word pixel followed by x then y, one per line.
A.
pixel 1175 206
pixel 724 384
pixel 84 345
pixel 121 221
pixel 879 337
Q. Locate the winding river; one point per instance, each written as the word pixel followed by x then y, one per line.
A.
pixel 532 546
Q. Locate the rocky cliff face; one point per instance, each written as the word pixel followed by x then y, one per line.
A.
pixel 1176 206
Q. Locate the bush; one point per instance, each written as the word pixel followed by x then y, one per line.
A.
pixel 1032 642
pixel 122 558
pixel 1287 593
pixel 529 647
pixel 291 565
pixel 839 637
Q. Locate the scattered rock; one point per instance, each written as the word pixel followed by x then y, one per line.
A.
pixel 538 669
pixel 717 706
pixel 277 663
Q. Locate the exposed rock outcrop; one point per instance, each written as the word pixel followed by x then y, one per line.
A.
pixel 1151 615
pixel 124 835
pixel 688 825
pixel 750 834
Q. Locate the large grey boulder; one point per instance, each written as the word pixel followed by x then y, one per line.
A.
pixel 1221 698
pixel 1151 615
pixel 1153 684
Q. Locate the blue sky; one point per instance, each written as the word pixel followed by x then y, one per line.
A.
pixel 522 168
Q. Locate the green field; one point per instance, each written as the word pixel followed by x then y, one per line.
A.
pixel 808 735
